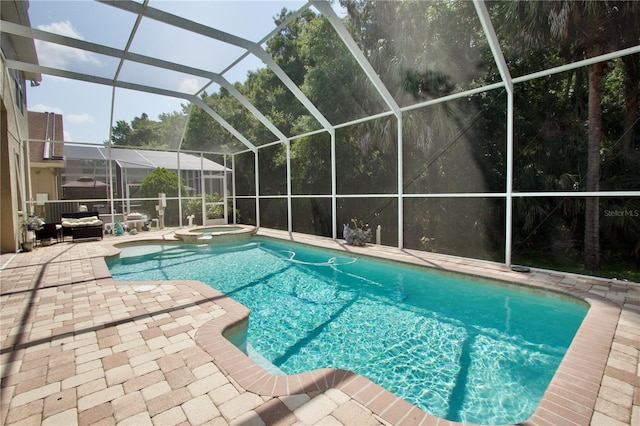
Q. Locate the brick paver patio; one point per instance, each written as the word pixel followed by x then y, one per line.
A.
pixel 78 348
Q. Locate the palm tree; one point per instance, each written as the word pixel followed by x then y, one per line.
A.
pixel 583 29
pixel 631 96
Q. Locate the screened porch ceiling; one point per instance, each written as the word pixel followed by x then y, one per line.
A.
pixel 179 49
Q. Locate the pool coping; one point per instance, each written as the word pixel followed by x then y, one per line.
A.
pixel 235 233
pixel 570 396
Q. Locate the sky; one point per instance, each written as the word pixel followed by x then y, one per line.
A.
pixel 86 107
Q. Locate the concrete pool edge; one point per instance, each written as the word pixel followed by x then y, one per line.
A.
pixel 570 396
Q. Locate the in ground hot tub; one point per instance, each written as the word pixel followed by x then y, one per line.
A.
pixel 215 234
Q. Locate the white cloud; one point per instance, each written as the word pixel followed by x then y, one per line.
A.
pixel 80 118
pixel 189 85
pixel 45 108
pixel 62 28
pixel 66 135
pixel 58 56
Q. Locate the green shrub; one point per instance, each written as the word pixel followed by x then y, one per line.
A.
pixel 162 180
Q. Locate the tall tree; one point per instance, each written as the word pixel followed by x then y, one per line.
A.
pixel 583 29
pixel 121 133
pixel 629 30
pixel 146 133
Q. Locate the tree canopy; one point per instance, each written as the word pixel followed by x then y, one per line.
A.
pixel 142 132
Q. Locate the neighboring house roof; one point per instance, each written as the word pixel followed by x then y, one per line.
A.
pixel 141 159
pixel 85 182
pixel 45 127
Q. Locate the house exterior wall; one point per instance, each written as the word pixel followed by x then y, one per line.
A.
pixel 12 166
pixel 14 130
pixel 46 155
pixel 45 180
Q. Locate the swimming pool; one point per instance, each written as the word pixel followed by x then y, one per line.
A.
pixel 462 350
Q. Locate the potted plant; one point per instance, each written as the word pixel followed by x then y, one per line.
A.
pixel 29 225
pixel 357 233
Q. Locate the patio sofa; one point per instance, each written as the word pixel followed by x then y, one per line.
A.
pixel 82 225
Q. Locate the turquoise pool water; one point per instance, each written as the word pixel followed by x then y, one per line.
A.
pixel 462 350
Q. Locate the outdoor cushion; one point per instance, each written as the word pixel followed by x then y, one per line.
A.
pixel 84 221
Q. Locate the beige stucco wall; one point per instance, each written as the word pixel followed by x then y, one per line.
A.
pixel 44 180
pixel 13 128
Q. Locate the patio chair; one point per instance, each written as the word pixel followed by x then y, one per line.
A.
pixel 48 231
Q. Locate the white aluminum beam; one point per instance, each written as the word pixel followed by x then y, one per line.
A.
pixel 178 21
pixel 334 188
pixel 559 194
pixel 223 82
pixel 501 63
pixel 579 194
pixel 325 8
pixel 288 19
pixel 264 57
pixel 32 33
pixel 179 190
pixel 289 211
pixel 25 66
pixel 578 64
pixel 494 45
pixel 458 95
pixel 132 86
pixel 224 189
pixel 132 34
pixel 234 196
pixel 110 163
pixel 203 192
pixel 196 100
pixel 256 177
pixel 400 183
pixel 213 33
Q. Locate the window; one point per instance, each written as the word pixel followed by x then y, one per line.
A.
pixel 19 91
